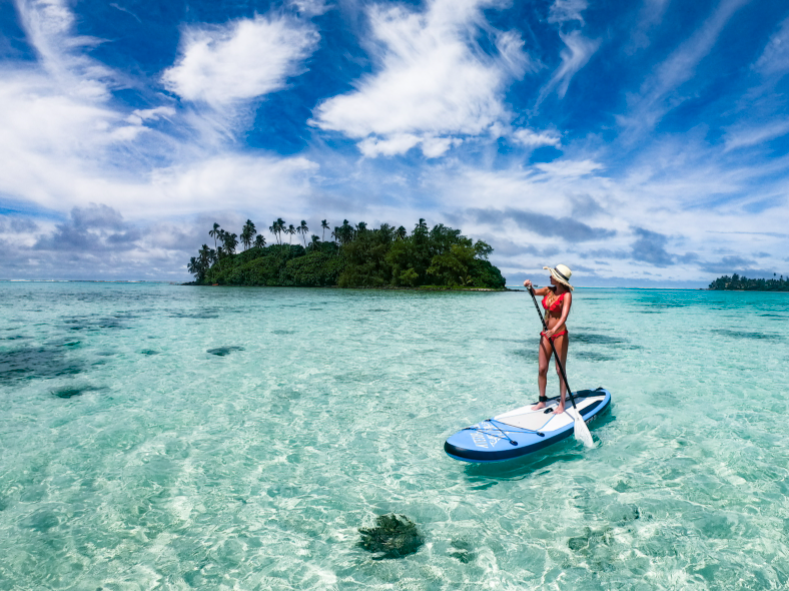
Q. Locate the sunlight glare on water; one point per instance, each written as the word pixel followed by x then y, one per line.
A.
pixel 169 437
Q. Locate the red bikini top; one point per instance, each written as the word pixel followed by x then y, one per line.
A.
pixel 556 305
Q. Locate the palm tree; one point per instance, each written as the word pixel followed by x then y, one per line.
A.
pixel 248 234
pixel 205 256
pixel 344 233
pixel 214 233
pixel 273 229
pixel 324 227
pixel 230 241
pixel 260 241
pixel 291 232
pixel 279 229
pixel 192 267
pixel 314 243
pixel 303 229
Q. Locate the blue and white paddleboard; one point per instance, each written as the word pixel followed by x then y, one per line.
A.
pixel 523 430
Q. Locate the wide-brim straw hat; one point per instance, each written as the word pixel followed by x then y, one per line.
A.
pixel 562 274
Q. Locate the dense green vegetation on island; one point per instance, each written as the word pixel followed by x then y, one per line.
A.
pixel 735 282
pixel 355 256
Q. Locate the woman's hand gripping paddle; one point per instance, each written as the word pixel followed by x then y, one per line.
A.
pixel 581 431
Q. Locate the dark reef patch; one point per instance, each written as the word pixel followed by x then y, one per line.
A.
pixel 72 391
pixel 394 536
pixel 530 354
pixel 222 351
pixel 591 338
pixel 204 315
pixel 593 356
pixel 746 334
pixel 149 352
pixel 462 550
pixel 17 337
pixel 92 324
pixel 283 332
pixel 36 362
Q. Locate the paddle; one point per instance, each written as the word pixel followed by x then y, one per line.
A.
pixel 581 431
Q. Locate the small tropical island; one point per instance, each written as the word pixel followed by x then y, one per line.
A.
pixel 355 257
pixel 737 283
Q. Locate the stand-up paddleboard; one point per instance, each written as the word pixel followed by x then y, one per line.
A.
pixel 523 430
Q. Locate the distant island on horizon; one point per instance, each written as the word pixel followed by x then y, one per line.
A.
pixel 355 257
pixel 738 283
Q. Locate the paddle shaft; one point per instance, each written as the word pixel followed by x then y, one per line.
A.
pixel 555 352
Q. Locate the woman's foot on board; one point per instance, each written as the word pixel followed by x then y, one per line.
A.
pixel 543 400
pixel 559 409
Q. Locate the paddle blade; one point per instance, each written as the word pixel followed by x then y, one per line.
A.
pixel 581 431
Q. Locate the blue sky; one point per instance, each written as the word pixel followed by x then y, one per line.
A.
pixel 640 143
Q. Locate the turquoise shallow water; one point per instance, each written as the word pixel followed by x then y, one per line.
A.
pixel 167 437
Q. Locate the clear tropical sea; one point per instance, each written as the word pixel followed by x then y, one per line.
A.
pixel 167 437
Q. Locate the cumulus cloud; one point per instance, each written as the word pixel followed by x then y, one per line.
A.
pixel 729 264
pixel 585 206
pixel 649 247
pixel 93 228
pixel 240 60
pixel 64 146
pixel 16 225
pixel 434 83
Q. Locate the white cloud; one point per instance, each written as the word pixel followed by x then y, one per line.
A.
pixel 651 14
pixel 242 60
pixel 743 136
pixel 532 139
pixel 578 50
pixel 567 10
pixel 569 168
pixel 649 106
pixel 775 57
pixel 139 115
pixel 310 7
pixel 434 82
pixel 63 147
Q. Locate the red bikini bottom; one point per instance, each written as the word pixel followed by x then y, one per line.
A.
pixel 557 335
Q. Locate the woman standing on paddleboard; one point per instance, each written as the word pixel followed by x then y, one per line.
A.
pixel 557 300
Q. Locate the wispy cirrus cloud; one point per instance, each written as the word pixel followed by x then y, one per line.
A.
pixel 775 57
pixel 657 95
pixel 650 15
pixel 434 83
pixel 567 10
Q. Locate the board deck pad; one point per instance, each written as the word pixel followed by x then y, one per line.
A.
pixel 522 431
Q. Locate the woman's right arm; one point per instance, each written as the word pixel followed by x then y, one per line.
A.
pixel 538 291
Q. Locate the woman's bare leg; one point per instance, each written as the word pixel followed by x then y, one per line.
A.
pixel 542 375
pixel 561 343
